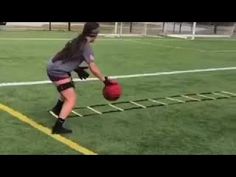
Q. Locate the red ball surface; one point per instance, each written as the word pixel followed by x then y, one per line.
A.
pixel 112 92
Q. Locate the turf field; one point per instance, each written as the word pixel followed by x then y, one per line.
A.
pixel 201 127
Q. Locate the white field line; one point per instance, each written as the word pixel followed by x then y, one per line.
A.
pixel 111 38
pixel 57 39
pixel 183 48
pixel 124 76
pixel 223 51
pixel 53 39
pixel 166 46
pixel 121 39
pixel 33 39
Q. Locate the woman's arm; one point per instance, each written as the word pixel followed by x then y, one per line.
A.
pixel 96 71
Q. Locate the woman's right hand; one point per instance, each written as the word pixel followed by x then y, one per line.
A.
pixel 108 82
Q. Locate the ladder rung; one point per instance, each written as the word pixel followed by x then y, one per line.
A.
pixel 229 93
pixel 177 98
pixel 155 101
pixel 213 98
pixel 76 113
pixel 94 110
pixel 116 107
pixel 191 98
pixel 137 104
pixel 174 99
pixel 220 94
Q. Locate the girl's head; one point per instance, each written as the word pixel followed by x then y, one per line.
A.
pixel 90 31
pixel 89 34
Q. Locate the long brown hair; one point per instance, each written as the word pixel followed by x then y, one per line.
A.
pixel 77 44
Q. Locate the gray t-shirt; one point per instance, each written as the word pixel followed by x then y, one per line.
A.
pixel 59 68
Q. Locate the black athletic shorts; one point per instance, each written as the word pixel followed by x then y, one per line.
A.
pixel 57 78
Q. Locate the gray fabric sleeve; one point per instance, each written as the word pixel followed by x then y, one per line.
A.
pixel 88 54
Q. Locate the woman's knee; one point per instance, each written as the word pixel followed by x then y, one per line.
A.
pixel 73 100
pixel 70 96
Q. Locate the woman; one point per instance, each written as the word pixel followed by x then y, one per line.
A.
pixel 66 61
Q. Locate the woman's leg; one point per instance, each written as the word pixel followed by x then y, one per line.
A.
pixel 69 102
pixel 55 111
pixel 68 94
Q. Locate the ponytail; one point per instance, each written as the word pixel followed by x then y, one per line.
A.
pixel 72 47
pixel 90 29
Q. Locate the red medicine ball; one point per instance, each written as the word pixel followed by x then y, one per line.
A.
pixel 112 92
